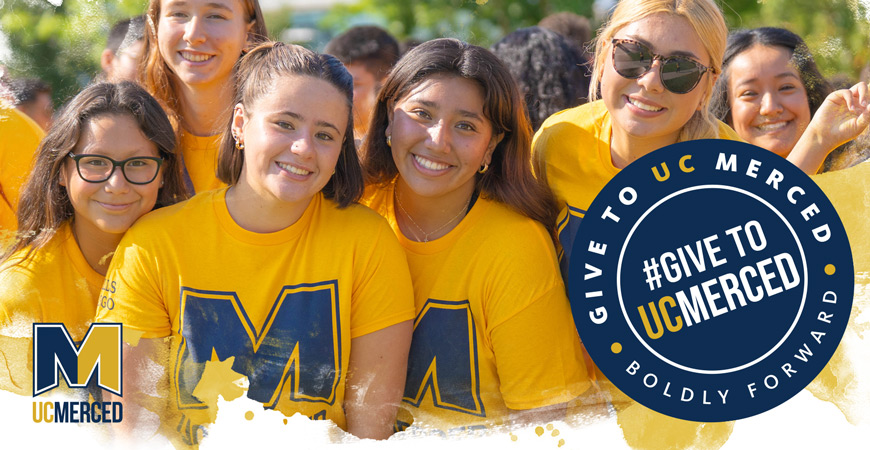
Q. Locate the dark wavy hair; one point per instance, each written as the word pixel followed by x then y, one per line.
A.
pixel 551 71
pixel 44 204
pixel 257 75
pixel 509 179
pixel 739 41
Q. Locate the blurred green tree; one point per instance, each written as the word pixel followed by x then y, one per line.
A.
pixel 60 41
pixel 480 22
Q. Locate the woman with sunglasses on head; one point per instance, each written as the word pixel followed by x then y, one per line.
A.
pixel 191 47
pixel 304 292
pixel 448 165
pixel 770 89
pixel 108 159
pixel 654 67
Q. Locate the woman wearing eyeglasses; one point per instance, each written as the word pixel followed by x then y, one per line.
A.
pixel 106 161
pixel 643 102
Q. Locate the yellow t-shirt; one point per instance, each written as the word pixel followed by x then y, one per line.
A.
pixel 19 139
pixel 200 159
pixel 280 308
pixel 55 284
pixel 494 329
pixel 572 153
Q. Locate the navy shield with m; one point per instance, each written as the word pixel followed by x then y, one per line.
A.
pixel 443 358
pixel 297 349
pixel 55 352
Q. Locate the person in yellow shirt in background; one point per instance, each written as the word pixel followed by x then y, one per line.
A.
pixel 109 159
pixel 19 138
pixel 448 165
pixel 191 47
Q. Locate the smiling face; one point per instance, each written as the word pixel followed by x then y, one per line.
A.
pixel 110 207
pixel 293 136
pixel 769 105
pixel 200 40
pixel 642 109
pixel 440 137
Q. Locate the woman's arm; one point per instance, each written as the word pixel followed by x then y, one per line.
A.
pixel 376 380
pixel 842 117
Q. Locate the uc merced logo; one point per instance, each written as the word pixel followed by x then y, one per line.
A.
pixel 711 280
pixel 55 355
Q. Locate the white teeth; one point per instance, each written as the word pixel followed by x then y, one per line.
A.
pixel 194 57
pixel 771 126
pixel 293 169
pixel 643 106
pixel 429 164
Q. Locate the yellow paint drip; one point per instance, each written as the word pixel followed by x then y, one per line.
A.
pixel 849 192
pixel 539 431
pixel 645 429
pixel 249 415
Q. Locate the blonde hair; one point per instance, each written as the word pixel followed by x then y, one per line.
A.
pixel 704 17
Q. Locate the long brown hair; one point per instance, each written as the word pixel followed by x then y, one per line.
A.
pixel 509 179
pixel 155 74
pixel 256 75
pixel 44 204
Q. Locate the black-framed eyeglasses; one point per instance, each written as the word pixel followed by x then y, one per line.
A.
pixel 98 168
pixel 679 74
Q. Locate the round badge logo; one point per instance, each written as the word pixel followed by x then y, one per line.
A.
pixel 711 280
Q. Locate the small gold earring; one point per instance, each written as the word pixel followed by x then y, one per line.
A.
pixel 483 168
pixel 240 145
pixel 389 141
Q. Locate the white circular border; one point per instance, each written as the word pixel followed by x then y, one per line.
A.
pixel 619 284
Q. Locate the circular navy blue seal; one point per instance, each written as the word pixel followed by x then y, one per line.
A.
pixel 711 280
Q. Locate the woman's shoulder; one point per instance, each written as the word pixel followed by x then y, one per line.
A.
pixel 193 209
pixel 358 216
pixel 583 116
pixel 512 232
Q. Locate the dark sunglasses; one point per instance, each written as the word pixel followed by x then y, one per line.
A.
pixel 679 74
pixel 98 168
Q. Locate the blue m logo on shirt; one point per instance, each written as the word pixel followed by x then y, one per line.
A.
pixel 297 350
pixel 443 358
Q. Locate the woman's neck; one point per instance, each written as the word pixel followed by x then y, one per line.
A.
pixel 425 219
pixel 96 246
pixel 625 149
pixel 203 107
pixel 258 212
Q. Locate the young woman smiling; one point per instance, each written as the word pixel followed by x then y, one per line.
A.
pixel 107 160
pixel 191 47
pixel 772 93
pixel 640 102
pixel 447 156
pixel 306 292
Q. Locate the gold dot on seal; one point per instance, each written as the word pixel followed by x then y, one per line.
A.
pixel 555 433
pixel 539 431
pixel 249 415
pixel 830 269
pixel 616 347
pixel 561 442
pixel 514 437
pixel 549 426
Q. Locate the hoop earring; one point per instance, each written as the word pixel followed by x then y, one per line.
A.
pixel 483 168
pixel 240 145
pixel 389 141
